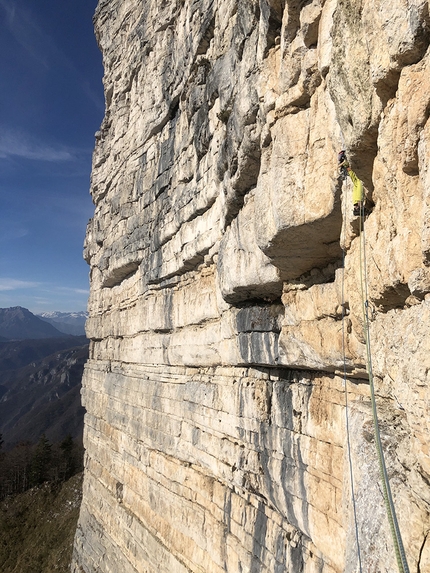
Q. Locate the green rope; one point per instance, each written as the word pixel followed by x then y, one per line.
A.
pixel 388 498
pixel 348 441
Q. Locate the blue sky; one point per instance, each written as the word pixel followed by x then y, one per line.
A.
pixel 51 104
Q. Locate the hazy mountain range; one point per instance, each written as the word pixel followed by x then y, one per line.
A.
pixel 42 396
pixel 40 376
pixel 18 323
pixel 67 322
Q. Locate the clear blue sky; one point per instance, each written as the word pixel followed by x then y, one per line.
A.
pixel 51 104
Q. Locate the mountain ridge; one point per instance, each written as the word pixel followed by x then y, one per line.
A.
pixel 43 395
pixel 19 323
pixel 18 353
pixel 67 322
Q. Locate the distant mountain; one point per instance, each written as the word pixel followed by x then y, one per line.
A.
pixel 67 322
pixel 43 396
pixel 19 353
pixel 18 323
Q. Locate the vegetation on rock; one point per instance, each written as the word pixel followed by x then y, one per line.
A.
pixel 37 528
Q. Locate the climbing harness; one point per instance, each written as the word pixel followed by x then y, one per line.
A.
pixel 386 489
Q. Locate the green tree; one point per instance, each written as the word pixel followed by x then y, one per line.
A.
pixel 15 466
pixel 41 463
pixel 68 458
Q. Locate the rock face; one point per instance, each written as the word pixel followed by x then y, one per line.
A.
pixel 226 288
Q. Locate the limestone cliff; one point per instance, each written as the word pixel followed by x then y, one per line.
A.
pixel 226 287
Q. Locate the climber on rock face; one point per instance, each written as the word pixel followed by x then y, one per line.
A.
pixel 357 191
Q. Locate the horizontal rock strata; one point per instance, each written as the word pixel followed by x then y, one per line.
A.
pixel 227 395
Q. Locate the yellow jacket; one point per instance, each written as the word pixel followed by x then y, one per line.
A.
pixel 357 191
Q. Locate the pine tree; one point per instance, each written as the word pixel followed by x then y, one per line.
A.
pixel 68 462
pixel 41 463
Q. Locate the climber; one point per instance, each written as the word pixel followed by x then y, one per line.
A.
pixel 357 191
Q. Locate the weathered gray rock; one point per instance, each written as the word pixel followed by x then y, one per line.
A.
pixel 228 357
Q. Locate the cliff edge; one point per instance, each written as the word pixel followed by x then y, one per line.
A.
pixel 227 390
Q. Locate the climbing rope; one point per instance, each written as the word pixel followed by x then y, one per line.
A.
pixel 388 498
pixel 386 489
pixel 348 441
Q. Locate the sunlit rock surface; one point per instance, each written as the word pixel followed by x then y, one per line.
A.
pixel 226 288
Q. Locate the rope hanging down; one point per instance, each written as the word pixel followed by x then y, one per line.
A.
pixel 386 489
pixel 388 498
pixel 348 441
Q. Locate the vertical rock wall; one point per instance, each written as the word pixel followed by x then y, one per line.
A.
pixel 215 430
